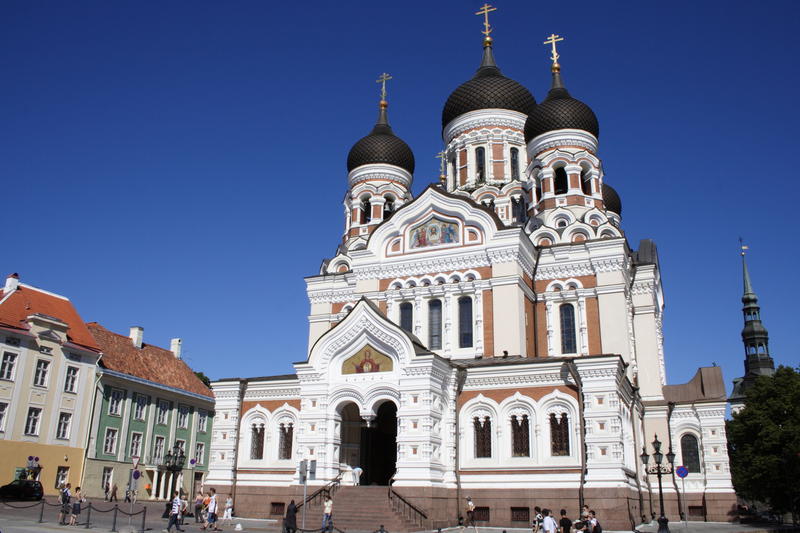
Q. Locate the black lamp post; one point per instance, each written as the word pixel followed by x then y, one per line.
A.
pixel 659 470
pixel 174 461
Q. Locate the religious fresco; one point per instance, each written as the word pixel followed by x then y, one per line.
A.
pixel 367 360
pixel 433 233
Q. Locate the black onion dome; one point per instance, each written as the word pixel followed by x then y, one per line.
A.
pixel 488 89
pixel 560 111
pixel 381 146
pixel 611 199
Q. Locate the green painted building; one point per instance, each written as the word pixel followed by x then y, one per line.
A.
pixel 150 409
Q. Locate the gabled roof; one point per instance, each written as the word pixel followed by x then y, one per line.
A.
pixel 148 362
pixel 19 304
pixel 707 384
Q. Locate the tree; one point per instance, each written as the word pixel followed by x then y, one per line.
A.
pixel 764 442
pixel 202 377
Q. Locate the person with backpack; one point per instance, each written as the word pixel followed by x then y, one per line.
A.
pixel 66 508
pixel 594 525
pixel 538 519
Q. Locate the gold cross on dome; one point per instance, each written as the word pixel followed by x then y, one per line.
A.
pixel 485 10
pixel 552 40
pixel 382 79
pixel 440 156
pixel 743 246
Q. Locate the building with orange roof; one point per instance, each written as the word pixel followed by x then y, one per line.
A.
pixel 151 409
pixel 47 378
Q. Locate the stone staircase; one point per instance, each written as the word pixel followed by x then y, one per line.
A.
pixel 364 509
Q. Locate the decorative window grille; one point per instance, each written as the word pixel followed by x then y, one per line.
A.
pixel 40 377
pixel 515 163
pixel 483 436
pixel 257 441
pixel 8 365
pixel 64 422
pixel 465 322
pixel 520 436
pixel 71 381
pixel 568 343
pixel 277 508
pixel 481 514
pixel 407 316
pixel 690 453
pixel 435 324
pixel 480 164
pixel 32 422
pixel 559 434
pixel 285 441
pixel 521 514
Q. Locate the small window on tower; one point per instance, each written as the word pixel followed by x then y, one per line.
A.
pixel 586 182
pixel 480 164
pixel 388 207
pixel 561 182
pixel 366 210
pixel 407 316
pixel 515 163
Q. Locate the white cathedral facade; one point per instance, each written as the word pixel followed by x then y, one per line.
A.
pixel 495 336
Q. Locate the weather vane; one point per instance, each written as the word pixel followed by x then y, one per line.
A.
pixel 485 10
pixel 552 40
pixel 382 79
pixel 743 247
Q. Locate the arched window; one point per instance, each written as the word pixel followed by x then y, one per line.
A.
pixel 518 209
pixel 407 316
pixel 690 453
pixel 568 344
pixel 559 434
pixel 480 163
pixel 465 322
pixel 586 182
pixel 538 193
pixel 366 210
pixel 435 324
pixel 285 441
pixel 515 163
pixel 520 436
pixel 257 441
pixel 483 436
pixel 561 181
pixel 388 207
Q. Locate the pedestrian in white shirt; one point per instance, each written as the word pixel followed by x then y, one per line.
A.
pixel 549 525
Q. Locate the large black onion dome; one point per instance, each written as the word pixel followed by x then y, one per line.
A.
pixel 381 146
pixel 611 199
pixel 560 111
pixel 488 89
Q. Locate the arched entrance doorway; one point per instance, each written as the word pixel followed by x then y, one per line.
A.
pixel 373 447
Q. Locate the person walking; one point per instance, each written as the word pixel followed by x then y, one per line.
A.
pixel 290 521
pixel 107 491
pixel 549 523
pixel 565 524
pixel 211 520
pixel 594 525
pixel 538 519
pixel 470 508
pixel 113 493
pixel 66 509
pixel 76 507
pixel 175 513
pixel 198 508
pixel 327 516
pixel 227 515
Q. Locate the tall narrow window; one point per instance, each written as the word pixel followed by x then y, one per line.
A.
pixel 515 163
pixel 586 182
pixel 366 210
pixel 64 422
pixel 32 422
pixel 483 436
pixel 40 377
pixel 115 402
pixel 71 381
pixel 3 409
pixel 285 441
pixel 388 207
pixel 136 444
pixel 520 436
pixel 690 453
pixel 435 324
pixel 158 449
pixel 465 322
pixel 7 366
pixel 110 443
pixel 480 164
pixel 559 434
pixel 199 453
pixel 561 181
pixel 257 441
pixel 568 344
pixel 407 316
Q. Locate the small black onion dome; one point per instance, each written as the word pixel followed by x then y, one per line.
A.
pixel 611 199
pixel 381 146
pixel 560 111
pixel 488 89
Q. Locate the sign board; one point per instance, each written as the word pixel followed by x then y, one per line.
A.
pixel 136 474
pixel 312 469
pixel 682 471
pixel 135 460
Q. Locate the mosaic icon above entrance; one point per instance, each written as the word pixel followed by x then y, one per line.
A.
pixel 367 360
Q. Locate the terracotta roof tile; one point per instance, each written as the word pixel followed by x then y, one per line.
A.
pixel 148 362
pixel 27 300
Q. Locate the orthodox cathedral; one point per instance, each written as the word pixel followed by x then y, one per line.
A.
pixel 495 337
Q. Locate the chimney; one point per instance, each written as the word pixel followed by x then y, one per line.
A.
pixel 175 347
pixel 137 335
pixel 12 282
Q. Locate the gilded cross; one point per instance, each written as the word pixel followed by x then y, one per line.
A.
pixel 552 40
pixel 382 79
pixel 440 156
pixel 743 246
pixel 485 10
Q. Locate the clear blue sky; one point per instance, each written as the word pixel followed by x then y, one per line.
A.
pixel 181 165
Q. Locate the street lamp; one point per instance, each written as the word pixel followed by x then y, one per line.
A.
pixel 659 470
pixel 174 461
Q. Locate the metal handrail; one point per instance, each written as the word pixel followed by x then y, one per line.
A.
pixel 408 509
pixel 328 489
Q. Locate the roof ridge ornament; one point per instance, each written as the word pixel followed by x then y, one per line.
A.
pixel 487 28
pixel 552 40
